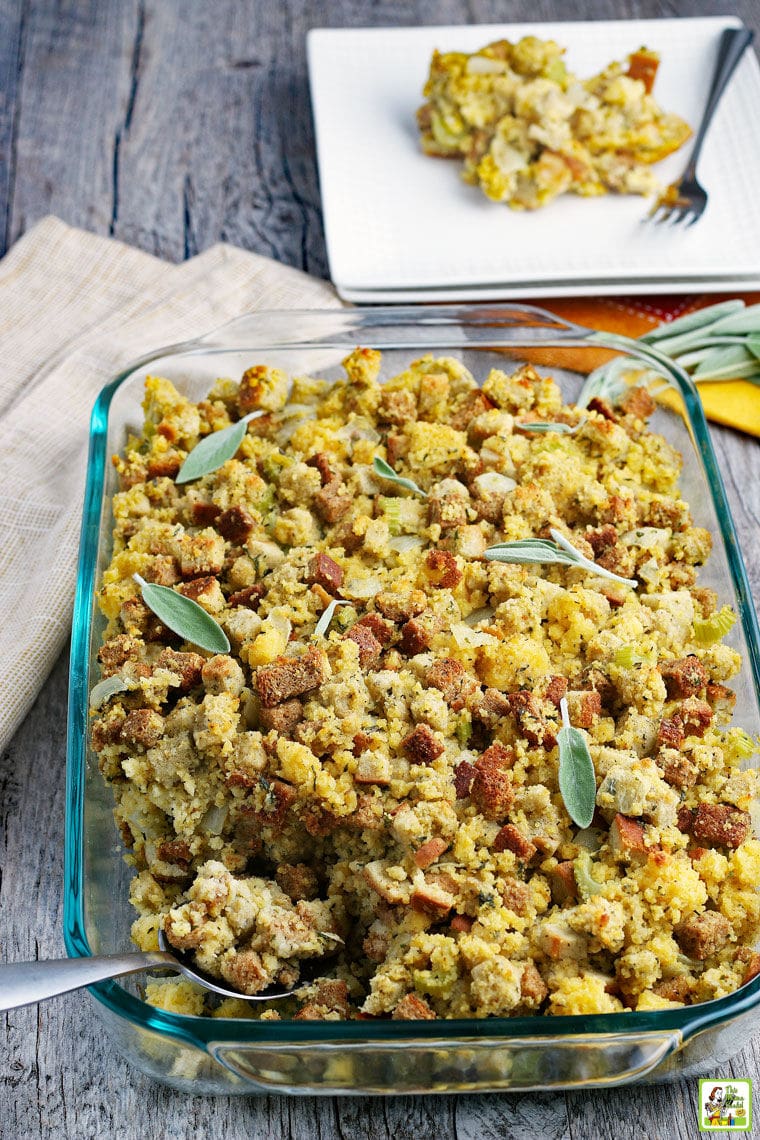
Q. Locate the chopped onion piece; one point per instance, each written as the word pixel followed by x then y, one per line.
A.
pixel 285 433
pixel 483 65
pixel 649 571
pixel 291 410
pixel 214 819
pixel 494 483
pixel 467 638
pixel 589 838
pixel 281 625
pixel 488 455
pixel 646 537
pixel 477 616
pixel 406 542
pixel 507 157
pixel 365 479
pixel 358 428
pixel 361 587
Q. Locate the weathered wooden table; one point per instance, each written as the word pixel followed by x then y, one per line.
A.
pixel 172 124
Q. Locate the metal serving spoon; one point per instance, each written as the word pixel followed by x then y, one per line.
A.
pixel 24 983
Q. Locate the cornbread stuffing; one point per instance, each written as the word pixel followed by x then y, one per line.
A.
pixel 529 130
pixel 379 799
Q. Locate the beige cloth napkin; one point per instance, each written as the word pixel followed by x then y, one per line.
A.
pixel 74 310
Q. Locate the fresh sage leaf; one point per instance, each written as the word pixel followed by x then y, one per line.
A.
pixel 727 363
pixel 696 320
pixel 322 626
pixel 675 337
pixel 581 560
pixel 183 616
pixel 721 342
pixel 607 382
pixel 690 360
pixel 560 551
pixel 741 323
pixel 747 372
pixel 386 472
pixel 528 550
pixel 577 781
pixel 105 689
pixel 541 427
pixel 215 449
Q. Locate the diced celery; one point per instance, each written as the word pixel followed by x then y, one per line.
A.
pixel 391 509
pixel 742 744
pixel 556 71
pixel 708 631
pixel 584 880
pixel 627 656
pixel 443 133
pixel 437 983
pixel 464 729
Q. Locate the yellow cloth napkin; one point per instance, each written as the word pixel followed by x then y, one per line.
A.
pixel 74 310
pixel 735 403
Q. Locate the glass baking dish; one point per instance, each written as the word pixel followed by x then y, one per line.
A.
pixel 217 1055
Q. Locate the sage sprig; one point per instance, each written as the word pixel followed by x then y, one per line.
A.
pixel 721 342
pixel 728 318
pixel 183 616
pixel 540 550
pixel 541 427
pixel 385 471
pixel 322 626
pixel 693 321
pixel 577 781
pixel 215 449
pixel 106 689
pixel 608 382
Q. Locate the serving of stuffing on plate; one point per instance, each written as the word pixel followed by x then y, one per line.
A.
pixel 368 779
pixel 529 130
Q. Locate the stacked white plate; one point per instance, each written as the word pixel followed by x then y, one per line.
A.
pixel 401 226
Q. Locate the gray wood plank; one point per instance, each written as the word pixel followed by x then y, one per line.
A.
pixel 662 1112
pixel 521 1117
pixel 739 462
pixel 72 102
pixel 12 43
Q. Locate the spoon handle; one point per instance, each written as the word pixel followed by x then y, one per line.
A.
pixel 23 983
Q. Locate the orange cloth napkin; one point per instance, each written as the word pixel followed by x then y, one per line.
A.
pixel 735 403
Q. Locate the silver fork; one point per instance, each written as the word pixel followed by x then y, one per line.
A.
pixel 685 200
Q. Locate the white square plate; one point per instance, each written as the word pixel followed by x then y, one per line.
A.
pixel 400 224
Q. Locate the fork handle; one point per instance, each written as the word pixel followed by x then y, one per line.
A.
pixel 733 44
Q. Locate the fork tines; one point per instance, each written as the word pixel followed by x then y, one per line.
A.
pixel 672 213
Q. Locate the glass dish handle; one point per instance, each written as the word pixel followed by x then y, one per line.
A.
pixel 420 1066
pixel 306 327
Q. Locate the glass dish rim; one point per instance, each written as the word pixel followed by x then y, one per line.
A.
pixel 507 325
